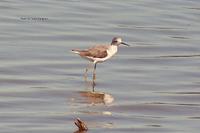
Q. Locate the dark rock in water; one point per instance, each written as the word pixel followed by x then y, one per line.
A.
pixel 81 125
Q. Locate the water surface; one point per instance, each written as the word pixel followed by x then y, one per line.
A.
pixel 153 85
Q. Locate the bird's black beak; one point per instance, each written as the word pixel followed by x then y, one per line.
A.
pixel 125 44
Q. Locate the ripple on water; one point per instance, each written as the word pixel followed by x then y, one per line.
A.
pixel 152 86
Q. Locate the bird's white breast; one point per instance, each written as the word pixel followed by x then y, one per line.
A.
pixel 112 50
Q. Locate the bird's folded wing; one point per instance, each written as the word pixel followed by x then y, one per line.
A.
pixel 98 51
pixel 95 52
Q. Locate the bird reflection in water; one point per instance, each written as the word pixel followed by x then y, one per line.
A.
pixel 95 97
pixel 91 97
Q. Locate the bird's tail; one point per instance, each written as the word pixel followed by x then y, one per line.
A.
pixel 76 51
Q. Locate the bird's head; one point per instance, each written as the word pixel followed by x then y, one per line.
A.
pixel 117 41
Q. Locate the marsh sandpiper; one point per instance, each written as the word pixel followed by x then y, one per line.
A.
pixel 100 53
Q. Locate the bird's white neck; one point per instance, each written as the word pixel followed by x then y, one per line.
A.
pixel 112 50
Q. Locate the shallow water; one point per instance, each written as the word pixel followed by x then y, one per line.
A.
pixel 152 86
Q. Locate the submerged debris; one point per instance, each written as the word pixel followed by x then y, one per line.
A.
pixel 80 124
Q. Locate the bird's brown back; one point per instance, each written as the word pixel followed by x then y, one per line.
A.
pixel 99 51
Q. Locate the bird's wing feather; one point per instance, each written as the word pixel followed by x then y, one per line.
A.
pixel 99 51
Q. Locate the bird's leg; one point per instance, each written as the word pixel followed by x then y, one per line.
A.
pixel 94 75
pixel 93 85
pixel 86 70
pixel 94 71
